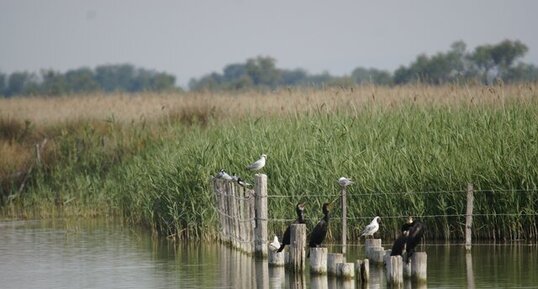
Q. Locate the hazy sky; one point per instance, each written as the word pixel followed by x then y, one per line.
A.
pixel 193 38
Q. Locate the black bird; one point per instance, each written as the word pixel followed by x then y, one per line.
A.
pixel 299 209
pixel 416 231
pixel 320 230
pixel 399 244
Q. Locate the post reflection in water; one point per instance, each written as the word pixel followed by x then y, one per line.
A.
pixel 345 283
pixel 295 280
pixel 262 274
pixel 319 282
pixel 469 267
pixel 276 277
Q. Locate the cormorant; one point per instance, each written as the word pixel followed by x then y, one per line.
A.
pixel 399 244
pixel 320 230
pixel 299 209
pixel 416 231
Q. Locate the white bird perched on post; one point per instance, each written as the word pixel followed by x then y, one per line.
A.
pixel 273 246
pixel 371 228
pixel 344 182
pixel 258 164
pixel 223 175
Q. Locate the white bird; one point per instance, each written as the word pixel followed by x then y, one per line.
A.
pixel 223 175
pixel 372 227
pixel 344 182
pixel 275 244
pixel 240 181
pixel 257 164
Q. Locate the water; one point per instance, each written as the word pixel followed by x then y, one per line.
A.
pixel 99 254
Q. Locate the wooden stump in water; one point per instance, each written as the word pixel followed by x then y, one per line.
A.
pixel 419 266
pixel 297 247
pixel 318 261
pixel 332 260
pixel 394 270
pixel 362 270
pixel 374 251
pixel 345 270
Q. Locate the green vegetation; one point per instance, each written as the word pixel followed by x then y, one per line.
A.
pixel 157 173
pixel 107 78
pixel 486 64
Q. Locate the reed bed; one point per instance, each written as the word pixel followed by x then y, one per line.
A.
pixel 150 157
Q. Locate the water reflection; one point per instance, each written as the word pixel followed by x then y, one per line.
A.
pixel 319 282
pixel 101 254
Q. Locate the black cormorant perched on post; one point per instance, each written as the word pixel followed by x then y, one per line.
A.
pixel 399 244
pixel 320 230
pixel 299 209
pixel 416 231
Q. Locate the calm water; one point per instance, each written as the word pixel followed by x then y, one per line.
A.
pixel 97 254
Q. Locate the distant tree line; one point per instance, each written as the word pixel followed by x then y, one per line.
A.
pixel 108 78
pixel 485 64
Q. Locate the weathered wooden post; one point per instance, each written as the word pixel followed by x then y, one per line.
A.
pixel 394 270
pixel 332 260
pixel 419 265
pixel 297 247
pixel 345 270
pixel 362 269
pixel 469 217
pixel 374 251
pixel 344 220
pixel 318 261
pixel 261 215
pixel 406 269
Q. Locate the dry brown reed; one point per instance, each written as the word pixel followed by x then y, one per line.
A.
pixel 145 107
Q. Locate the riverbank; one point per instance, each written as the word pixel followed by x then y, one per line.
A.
pixel 149 157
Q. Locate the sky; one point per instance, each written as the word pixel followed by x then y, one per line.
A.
pixel 190 39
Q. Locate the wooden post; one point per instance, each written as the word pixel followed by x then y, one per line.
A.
pixel 345 270
pixel 252 217
pixel 419 266
pixel 297 247
pixel 276 277
pixel 261 215
pixel 332 260
pixel 362 269
pixel 394 270
pixel 276 259
pixel 318 261
pixel 344 220
pixel 469 217
pixel 373 250
pixel 406 269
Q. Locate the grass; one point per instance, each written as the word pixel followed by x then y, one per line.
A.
pixel 150 157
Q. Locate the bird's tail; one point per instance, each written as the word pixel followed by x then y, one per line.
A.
pixel 281 248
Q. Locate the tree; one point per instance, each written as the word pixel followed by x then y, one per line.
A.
pixel 362 75
pixel 2 84
pixel 497 59
pixel 81 80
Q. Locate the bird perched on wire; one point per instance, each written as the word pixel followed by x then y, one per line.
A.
pixel 273 246
pixel 286 239
pixel 372 228
pixel 344 182
pixel 259 164
pixel 320 230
